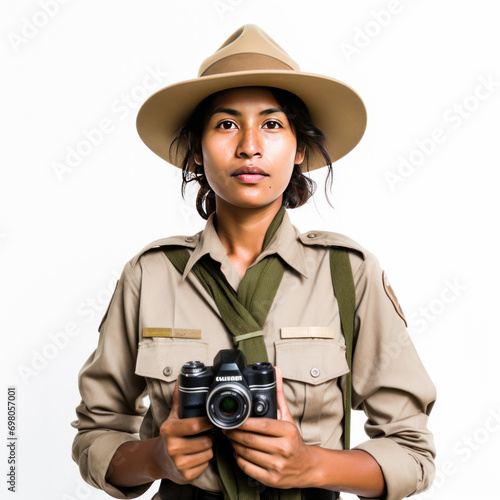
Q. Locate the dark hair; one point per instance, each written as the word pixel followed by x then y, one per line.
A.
pixel 309 138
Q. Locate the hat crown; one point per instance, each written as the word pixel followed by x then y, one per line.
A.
pixel 248 49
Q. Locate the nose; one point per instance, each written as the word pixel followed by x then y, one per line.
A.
pixel 250 144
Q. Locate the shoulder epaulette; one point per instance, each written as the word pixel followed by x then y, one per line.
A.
pixel 181 241
pixel 329 239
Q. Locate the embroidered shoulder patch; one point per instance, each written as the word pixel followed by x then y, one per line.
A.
pixel 392 296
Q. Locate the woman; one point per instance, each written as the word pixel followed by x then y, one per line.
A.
pixel 246 129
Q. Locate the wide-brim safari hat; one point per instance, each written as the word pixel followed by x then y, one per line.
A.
pixel 251 58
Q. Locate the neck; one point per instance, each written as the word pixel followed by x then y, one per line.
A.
pixel 242 231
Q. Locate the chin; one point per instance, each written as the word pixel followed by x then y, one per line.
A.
pixel 255 205
pixel 249 202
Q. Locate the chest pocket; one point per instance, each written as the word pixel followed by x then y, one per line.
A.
pixel 159 361
pixel 311 368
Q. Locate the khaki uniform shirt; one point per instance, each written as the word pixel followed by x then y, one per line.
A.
pixel 389 382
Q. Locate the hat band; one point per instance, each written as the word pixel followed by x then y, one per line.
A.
pixel 245 62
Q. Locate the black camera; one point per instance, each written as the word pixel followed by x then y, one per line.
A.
pixel 229 392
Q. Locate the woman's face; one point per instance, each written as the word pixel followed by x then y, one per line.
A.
pixel 248 149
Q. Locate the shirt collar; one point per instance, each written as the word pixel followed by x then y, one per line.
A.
pixel 208 243
pixel 285 243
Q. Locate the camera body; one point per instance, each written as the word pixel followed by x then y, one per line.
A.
pixel 229 391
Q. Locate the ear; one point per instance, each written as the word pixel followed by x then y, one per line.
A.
pixel 300 155
pixel 198 159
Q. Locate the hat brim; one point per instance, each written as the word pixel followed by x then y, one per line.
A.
pixel 335 108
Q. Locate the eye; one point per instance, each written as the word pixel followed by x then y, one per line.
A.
pixel 226 125
pixel 272 125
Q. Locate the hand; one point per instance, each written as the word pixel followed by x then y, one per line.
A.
pixel 187 452
pixel 272 451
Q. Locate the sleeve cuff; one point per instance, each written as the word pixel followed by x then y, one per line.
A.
pixel 100 455
pixel 398 467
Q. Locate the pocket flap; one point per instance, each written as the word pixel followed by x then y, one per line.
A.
pixel 163 358
pixel 312 361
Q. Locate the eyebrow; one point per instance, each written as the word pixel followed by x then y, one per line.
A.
pixel 234 112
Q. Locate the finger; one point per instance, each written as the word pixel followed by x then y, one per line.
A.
pixel 190 444
pixel 270 441
pixel 174 427
pixel 177 447
pixel 187 469
pixel 250 440
pixel 193 460
pixel 255 456
pixel 254 471
pixel 190 474
pixel 283 410
pixel 256 464
pixel 264 426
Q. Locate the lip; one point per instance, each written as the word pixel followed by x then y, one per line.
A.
pixel 249 174
pixel 250 171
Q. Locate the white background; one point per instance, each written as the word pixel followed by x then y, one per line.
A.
pixel 65 237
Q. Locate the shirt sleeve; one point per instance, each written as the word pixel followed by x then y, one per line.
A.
pixel 111 409
pixel 392 387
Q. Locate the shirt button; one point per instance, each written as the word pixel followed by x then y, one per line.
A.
pixel 311 235
pixel 315 372
pixel 189 239
pixel 167 371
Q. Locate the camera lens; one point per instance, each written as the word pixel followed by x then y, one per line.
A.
pixel 229 405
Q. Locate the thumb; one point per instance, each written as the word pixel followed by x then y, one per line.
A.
pixel 283 411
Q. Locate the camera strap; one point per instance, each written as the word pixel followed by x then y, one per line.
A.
pixel 244 314
pixel 343 287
